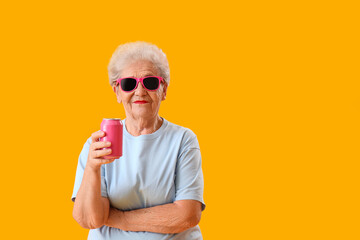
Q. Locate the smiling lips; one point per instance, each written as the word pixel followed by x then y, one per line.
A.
pixel 140 102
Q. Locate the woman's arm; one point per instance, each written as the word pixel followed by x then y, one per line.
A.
pixel 168 218
pixel 173 217
pixel 91 210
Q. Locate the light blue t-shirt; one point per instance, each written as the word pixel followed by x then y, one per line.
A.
pixel 155 169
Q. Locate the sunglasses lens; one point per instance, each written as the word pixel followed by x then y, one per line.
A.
pixel 151 83
pixel 128 84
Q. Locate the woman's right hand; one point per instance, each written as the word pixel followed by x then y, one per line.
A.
pixel 96 152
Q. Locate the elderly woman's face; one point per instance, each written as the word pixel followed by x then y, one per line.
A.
pixel 140 102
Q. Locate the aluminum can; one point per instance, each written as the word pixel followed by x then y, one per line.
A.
pixel 113 129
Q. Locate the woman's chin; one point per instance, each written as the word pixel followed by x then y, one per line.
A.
pixel 142 113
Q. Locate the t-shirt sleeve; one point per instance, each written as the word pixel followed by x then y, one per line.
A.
pixel 189 180
pixel 80 172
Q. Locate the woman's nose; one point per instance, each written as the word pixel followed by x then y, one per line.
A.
pixel 140 90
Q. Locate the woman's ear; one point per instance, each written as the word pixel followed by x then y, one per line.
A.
pixel 164 92
pixel 116 91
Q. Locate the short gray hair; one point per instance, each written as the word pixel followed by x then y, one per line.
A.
pixel 134 51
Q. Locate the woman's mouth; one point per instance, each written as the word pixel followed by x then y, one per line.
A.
pixel 140 102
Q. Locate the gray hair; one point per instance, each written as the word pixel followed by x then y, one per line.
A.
pixel 134 51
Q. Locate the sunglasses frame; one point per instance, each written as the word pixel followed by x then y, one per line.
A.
pixel 118 82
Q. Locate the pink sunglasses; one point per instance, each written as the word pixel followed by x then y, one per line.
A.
pixel 150 83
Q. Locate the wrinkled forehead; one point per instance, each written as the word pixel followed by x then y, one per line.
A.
pixel 140 68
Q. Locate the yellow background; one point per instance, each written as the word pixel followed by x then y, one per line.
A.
pixel 271 88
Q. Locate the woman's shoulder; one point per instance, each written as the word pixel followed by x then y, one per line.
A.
pixel 183 134
pixel 88 141
pixel 172 127
pixel 86 146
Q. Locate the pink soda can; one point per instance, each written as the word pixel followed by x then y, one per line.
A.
pixel 113 129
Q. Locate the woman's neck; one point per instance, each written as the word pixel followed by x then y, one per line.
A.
pixel 137 127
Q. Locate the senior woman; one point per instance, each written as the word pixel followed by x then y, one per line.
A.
pixel 155 190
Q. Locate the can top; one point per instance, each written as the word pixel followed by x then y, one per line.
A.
pixel 116 119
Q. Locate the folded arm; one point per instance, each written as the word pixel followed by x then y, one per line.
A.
pixel 168 218
pixel 91 209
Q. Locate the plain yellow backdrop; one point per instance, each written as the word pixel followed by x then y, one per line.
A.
pixel 271 88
